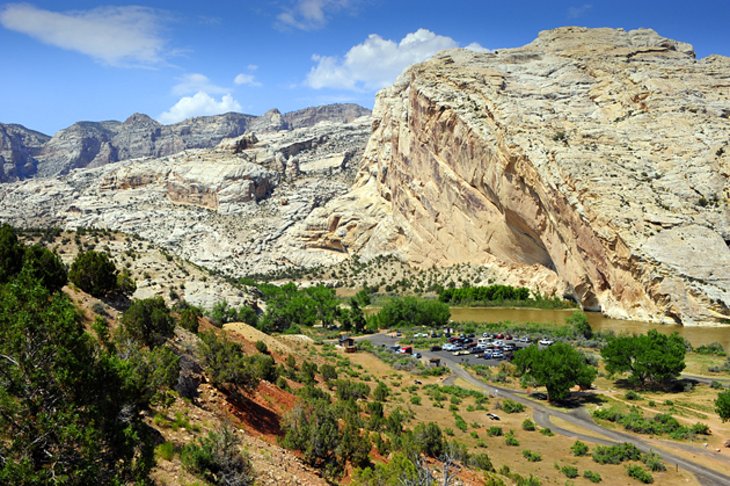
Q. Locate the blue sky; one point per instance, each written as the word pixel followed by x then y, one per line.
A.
pixel 66 61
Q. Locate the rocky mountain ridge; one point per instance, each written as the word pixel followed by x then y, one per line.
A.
pixel 231 208
pixel 600 155
pixel 92 144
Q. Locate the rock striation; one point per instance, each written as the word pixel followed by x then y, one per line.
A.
pixel 19 148
pixel 93 144
pixel 231 208
pixel 598 154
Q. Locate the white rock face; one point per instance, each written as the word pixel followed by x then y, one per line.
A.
pixel 600 154
pixel 230 208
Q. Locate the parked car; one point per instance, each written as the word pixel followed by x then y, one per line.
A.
pixel 493 416
pixel 488 354
pixel 546 342
pixel 508 337
pixel 498 355
pixel 523 339
pixel 498 343
pixel 436 348
pixel 487 335
pixel 416 355
pixel 421 335
pixel 499 336
pixel 509 347
pixel 449 347
pixel 461 352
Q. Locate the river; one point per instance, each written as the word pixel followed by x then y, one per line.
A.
pixel 695 335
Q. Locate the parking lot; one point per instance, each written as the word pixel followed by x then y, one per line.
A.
pixel 391 341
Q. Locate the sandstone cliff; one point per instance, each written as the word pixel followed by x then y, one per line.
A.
pixel 230 208
pixel 599 154
pixel 24 153
pixel 19 148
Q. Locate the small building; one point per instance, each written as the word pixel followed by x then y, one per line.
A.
pixel 348 344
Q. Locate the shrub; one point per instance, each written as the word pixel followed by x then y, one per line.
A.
pixel 165 451
pixel 94 273
pixel 188 319
pixel 569 471
pixel 616 454
pixel 494 431
pixel 528 425
pixel 531 456
pixel 547 432
pixel 510 406
pixel 715 349
pixel 460 422
pixel 218 459
pixel 592 476
pixel 481 461
pixel 415 400
pixel 148 322
pixel 261 347
pixel 45 266
pixel 637 472
pixel 653 462
pixel 579 448
pixel 632 395
pixel 511 440
pixel 11 253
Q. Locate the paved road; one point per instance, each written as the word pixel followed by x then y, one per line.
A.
pixel 578 417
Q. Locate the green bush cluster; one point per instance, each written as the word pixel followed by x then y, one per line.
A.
pixel 511 406
pixel 616 454
pixel 662 423
pixel 411 311
pixel 639 473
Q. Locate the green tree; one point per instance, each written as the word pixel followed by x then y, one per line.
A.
pixel 651 358
pixel 65 415
pixel 225 362
pixel 189 318
pixel 11 253
pixel 311 427
pixel 148 322
pixel 404 311
pixel 429 439
pixel 45 266
pixel 579 322
pixel 558 367
pixel 722 405
pixel 94 273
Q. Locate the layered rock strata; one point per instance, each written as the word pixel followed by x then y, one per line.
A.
pixel 599 154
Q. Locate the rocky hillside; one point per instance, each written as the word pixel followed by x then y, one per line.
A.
pixel 19 148
pixel 232 208
pixel 93 144
pixel 597 154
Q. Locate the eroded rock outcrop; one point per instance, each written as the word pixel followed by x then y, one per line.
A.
pixel 25 153
pixel 230 208
pixel 600 154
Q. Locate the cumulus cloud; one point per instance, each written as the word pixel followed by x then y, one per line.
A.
pixel 199 104
pixel 376 62
pixel 195 82
pixel 243 79
pixel 127 35
pixel 310 14
pixel 578 11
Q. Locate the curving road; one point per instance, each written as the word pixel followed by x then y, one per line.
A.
pixel 580 418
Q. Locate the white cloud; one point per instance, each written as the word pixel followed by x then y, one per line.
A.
pixel 246 80
pixel 128 35
pixel 578 11
pixel 376 62
pixel 199 104
pixel 195 82
pixel 310 14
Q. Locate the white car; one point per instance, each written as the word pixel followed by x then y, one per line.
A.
pixel 421 335
pixel 448 347
pixel 546 342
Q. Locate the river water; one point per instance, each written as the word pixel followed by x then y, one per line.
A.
pixel 695 335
